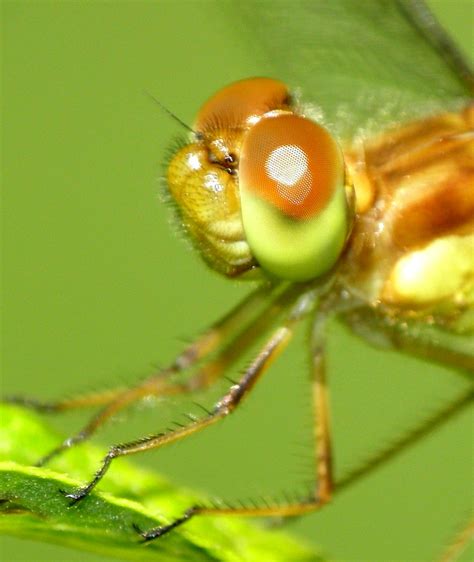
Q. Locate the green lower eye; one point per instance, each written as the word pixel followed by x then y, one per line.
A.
pixel 293 198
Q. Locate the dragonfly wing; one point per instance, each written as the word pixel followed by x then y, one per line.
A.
pixel 370 69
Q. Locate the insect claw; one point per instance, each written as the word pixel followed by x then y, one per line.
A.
pixel 41 462
pixel 152 534
pixel 158 532
pixel 139 531
pixel 74 497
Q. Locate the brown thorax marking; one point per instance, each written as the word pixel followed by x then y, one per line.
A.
pixel 414 186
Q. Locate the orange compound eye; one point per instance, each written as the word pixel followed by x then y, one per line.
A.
pixel 293 199
pixel 261 186
pixel 292 163
pixel 240 104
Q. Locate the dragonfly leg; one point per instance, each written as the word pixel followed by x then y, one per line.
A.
pixel 322 426
pixel 430 342
pixel 62 405
pixel 161 383
pixel 459 544
pixel 226 405
pixel 198 349
pixel 323 489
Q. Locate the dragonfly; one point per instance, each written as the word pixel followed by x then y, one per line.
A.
pixel 362 277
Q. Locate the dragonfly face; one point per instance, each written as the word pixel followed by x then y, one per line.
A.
pixel 262 187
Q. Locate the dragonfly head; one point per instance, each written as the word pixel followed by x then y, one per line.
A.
pixel 262 186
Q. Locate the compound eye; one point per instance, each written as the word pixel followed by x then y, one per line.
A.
pixel 241 103
pixel 293 199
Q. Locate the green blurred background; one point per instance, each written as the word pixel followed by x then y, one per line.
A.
pixel 98 283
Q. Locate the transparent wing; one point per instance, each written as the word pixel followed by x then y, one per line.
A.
pixel 375 66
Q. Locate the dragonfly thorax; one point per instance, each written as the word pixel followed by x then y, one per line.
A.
pixel 412 248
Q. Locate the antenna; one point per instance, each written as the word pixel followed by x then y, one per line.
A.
pixel 171 114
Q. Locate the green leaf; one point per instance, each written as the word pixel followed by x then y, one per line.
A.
pixel 33 507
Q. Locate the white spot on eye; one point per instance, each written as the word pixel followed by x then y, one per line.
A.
pixel 193 162
pixel 288 166
pixel 212 183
